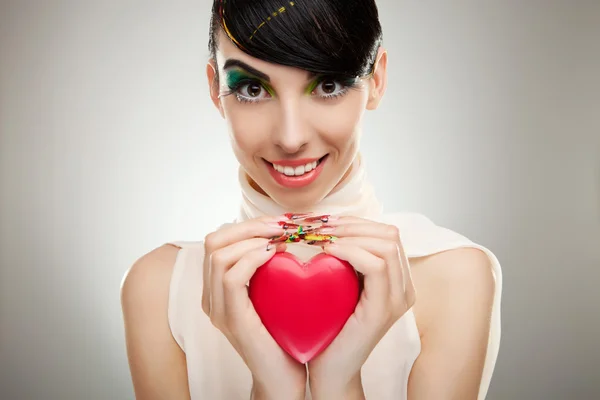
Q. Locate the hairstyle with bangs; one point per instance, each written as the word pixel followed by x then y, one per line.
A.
pixel 326 37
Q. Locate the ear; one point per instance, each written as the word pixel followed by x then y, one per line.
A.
pixel 213 84
pixel 378 80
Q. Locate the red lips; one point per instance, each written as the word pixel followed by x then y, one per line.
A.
pixel 291 181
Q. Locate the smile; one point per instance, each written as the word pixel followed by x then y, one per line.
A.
pixel 296 173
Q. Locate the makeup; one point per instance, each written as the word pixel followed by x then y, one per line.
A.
pixel 341 86
pixel 237 80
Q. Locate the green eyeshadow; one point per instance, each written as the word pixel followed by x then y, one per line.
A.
pixel 348 82
pixel 236 78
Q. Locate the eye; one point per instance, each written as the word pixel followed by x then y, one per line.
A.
pixel 328 88
pixel 251 92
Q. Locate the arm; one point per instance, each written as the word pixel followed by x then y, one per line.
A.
pixel 157 364
pixel 454 318
pixel 455 292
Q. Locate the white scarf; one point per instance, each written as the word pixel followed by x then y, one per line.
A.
pixel 356 197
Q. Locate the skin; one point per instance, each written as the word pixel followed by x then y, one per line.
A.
pixel 451 293
pixel 291 124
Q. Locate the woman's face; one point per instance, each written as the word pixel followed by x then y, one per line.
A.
pixel 296 135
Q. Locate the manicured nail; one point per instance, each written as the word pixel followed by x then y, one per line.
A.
pixel 318 240
pixel 278 239
pixel 319 218
pixel 308 228
pixel 292 226
pixel 325 230
pixel 295 216
pixel 273 246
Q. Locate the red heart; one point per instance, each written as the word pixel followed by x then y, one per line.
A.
pixel 304 306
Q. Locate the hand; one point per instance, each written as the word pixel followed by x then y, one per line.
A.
pixel 232 255
pixel 375 251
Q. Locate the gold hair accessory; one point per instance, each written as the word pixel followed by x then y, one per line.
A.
pixel 225 28
pixel 281 10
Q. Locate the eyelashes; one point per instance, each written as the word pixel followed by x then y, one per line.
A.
pixel 253 90
pixel 346 85
pixel 239 87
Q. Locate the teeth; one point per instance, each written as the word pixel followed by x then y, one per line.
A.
pixel 297 171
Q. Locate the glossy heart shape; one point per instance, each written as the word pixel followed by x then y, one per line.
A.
pixel 304 306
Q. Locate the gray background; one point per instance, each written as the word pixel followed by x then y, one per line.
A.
pixel 109 143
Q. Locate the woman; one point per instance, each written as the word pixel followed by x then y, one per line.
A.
pixel 293 79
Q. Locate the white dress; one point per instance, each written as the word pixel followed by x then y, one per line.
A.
pixel 215 371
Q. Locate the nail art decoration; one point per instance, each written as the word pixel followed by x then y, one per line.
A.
pixel 294 216
pixel 319 239
pixel 279 239
pixel 324 230
pixel 319 218
pixel 290 225
pixel 301 235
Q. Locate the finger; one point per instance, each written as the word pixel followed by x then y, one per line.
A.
pixel 220 261
pixel 330 219
pixel 364 229
pixel 265 227
pixel 347 219
pixel 376 286
pixel 235 292
pixel 397 264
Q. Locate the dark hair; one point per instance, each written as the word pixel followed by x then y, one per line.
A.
pixel 332 37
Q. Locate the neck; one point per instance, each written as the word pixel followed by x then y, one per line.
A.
pixel 352 195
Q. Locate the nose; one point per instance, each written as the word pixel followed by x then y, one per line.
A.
pixel 292 133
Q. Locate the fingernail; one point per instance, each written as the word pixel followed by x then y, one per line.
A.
pixel 285 225
pixel 306 228
pixel 320 218
pixel 319 240
pixel 325 229
pixel 278 239
pixel 295 216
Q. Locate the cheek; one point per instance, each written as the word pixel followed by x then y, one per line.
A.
pixel 341 122
pixel 248 125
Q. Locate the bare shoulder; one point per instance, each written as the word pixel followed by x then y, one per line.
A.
pixel 151 269
pixel 453 309
pixel 451 280
pixel 157 363
pixel 145 286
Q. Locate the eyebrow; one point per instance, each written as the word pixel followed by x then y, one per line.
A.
pixel 233 62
